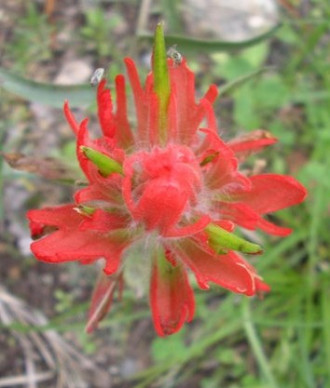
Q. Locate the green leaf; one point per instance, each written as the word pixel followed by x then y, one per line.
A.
pixel 221 240
pixel 201 45
pixel 105 164
pixel 245 114
pixel 47 94
pixel 233 67
pixel 271 92
pixel 257 54
pixel 162 348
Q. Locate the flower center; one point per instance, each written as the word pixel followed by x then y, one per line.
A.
pixel 161 186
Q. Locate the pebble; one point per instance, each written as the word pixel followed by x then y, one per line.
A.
pixel 74 72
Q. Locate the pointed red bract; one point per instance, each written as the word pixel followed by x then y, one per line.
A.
pixel 171 297
pixel 251 142
pixel 177 181
pixel 105 114
pixel 70 118
pixel 123 132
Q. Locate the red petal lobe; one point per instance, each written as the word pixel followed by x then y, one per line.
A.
pixel 272 192
pixel 229 271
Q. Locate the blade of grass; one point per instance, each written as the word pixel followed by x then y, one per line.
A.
pixel 200 45
pixel 197 349
pixel 326 318
pixel 305 362
pixel 257 346
pixel 278 250
pixel 287 324
pixel 229 86
pixel 307 44
pixel 2 131
pixel 312 96
pixel 47 94
pixel 320 198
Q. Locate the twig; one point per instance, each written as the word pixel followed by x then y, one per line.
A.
pixel 63 360
pixel 23 379
pixel 143 16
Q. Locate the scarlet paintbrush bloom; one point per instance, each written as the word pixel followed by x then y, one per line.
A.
pixel 169 183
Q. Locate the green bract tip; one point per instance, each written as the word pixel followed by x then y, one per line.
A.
pixel 161 76
pixel 85 210
pixel 105 164
pixel 221 240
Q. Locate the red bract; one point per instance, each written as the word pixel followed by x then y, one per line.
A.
pixel 171 184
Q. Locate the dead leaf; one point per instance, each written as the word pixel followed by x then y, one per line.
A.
pixel 46 167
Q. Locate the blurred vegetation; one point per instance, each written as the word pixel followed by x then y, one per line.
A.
pixel 234 342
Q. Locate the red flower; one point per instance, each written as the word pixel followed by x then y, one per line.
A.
pixel 169 185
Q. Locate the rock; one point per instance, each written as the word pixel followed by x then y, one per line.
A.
pixel 74 72
pixel 228 20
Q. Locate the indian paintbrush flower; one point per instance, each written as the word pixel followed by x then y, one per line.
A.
pixel 171 184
